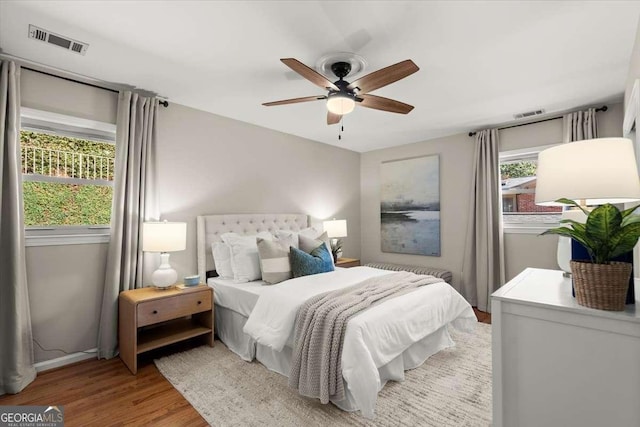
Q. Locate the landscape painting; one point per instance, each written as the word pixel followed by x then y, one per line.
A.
pixel 410 206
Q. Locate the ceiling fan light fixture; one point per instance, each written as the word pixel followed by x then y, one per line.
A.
pixel 343 95
pixel 340 104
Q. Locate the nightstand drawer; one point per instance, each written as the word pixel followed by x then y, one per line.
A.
pixel 155 311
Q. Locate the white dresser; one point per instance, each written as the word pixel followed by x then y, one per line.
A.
pixel 556 363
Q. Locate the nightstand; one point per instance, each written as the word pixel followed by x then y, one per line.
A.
pixel 151 318
pixel 347 262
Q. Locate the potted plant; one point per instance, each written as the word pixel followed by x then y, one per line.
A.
pixel 608 233
pixel 336 249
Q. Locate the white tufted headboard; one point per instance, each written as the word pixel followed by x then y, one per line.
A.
pixel 210 227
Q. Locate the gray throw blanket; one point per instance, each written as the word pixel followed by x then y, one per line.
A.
pixel 321 322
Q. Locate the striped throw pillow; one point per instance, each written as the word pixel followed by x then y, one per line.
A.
pixel 274 259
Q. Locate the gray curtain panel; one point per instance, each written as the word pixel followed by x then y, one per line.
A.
pixel 576 126
pixel 16 340
pixel 579 125
pixel 134 201
pixel 483 265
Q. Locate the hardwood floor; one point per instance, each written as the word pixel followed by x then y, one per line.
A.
pixel 482 316
pixel 105 393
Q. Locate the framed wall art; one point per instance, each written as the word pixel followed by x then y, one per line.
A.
pixel 410 206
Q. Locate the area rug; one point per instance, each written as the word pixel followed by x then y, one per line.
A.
pixel 452 388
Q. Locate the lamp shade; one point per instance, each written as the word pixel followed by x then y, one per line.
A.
pixel 164 236
pixel 597 171
pixel 335 228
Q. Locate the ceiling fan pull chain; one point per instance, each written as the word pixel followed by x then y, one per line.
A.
pixel 341 128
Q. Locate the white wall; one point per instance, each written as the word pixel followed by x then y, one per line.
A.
pixel 528 250
pixel 211 164
pixel 456 157
pixel 632 76
pixel 634 67
pixel 48 93
pixel 550 132
pixel 65 295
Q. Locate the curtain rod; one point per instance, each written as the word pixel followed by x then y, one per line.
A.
pixel 603 108
pixel 69 76
pixel 164 103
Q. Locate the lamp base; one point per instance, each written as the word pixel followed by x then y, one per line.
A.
pixel 564 254
pixel 165 276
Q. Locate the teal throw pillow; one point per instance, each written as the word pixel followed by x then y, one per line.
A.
pixel 319 260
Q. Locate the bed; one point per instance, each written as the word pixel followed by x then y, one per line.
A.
pixel 380 344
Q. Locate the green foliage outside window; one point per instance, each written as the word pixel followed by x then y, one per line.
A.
pixel 65 143
pixel 49 203
pixel 59 203
pixel 517 169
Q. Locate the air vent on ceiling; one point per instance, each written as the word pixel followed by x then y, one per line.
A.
pixel 528 114
pixel 57 40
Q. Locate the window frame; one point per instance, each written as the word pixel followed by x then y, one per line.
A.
pixel 75 127
pixel 524 154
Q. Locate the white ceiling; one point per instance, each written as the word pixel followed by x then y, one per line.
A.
pixel 480 62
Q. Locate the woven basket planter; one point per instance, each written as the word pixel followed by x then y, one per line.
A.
pixel 601 286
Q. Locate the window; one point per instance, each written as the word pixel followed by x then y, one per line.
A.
pixel 68 167
pixel 520 214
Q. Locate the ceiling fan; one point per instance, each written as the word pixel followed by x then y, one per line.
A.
pixel 343 96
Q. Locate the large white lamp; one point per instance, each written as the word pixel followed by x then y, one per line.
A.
pixel 164 237
pixel 335 229
pixel 590 172
pixel 596 171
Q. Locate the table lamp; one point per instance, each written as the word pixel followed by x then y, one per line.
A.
pixel 335 229
pixel 164 237
pixel 590 172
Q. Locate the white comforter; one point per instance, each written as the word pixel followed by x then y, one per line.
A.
pixel 374 337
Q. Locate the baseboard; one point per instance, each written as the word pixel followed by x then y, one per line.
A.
pixel 66 360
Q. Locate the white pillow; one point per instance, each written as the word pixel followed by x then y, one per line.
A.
pixel 307 232
pixel 288 235
pixel 319 235
pixel 222 258
pixel 310 232
pixel 245 261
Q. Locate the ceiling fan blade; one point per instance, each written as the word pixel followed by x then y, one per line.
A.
pixel 295 100
pixel 310 74
pixel 384 104
pixel 332 118
pixel 385 76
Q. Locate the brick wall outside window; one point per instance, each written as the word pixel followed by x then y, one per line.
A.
pixel 527 203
